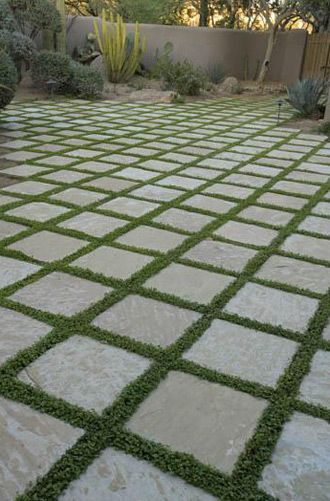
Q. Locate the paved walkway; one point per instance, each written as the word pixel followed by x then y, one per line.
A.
pixel 164 275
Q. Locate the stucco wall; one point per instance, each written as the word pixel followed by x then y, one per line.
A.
pixel 206 47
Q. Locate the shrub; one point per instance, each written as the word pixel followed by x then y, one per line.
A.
pixel 84 81
pixel 32 16
pixel 308 96
pixel 51 65
pixel 121 53
pixel 183 78
pixel 18 46
pixel 8 79
pixel 325 128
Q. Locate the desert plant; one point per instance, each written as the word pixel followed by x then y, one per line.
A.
pixel 49 65
pixel 121 54
pixel 84 81
pixel 216 73
pixel 308 96
pixel 8 79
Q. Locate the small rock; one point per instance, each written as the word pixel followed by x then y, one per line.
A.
pixel 152 95
pixel 98 64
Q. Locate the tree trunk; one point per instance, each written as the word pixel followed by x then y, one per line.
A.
pixel 268 55
pixel 204 13
pixel 60 38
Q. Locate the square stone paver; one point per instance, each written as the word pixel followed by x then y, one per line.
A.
pixel 93 224
pixel 188 221
pixel 94 166
pixel 112 262
pixel 5 200
pixel 84 153
pixel 12 270
pixel 110 184
pixel 57 161
pixel 146 237
pixel 186 183
pixel 295 187
pixel 296 272
pixel 30 188
pixel 38 211
pixel 221 254
pixel 8 229
pixel 211 204
pixel 60 293
pixel 189 283
pixel 79 197
pixel 129 206
pixel 285 201
pixel 209 421
pixel 229 190
pixel 48 246
pixel 246 233
pixel 299 468
pixel 242 352
pixel 157 193
pixel 31 442
pixel 318 248
pixel 273 306
pixel 17 332
pixel 159 165
pixel 316 224
pixel 84 372
pixel 268 216
pixel 322 208
pixel 65 176
pixel 139 480
pixel 315 387
pixel 137 174
pixel 326 332
pixel 147 320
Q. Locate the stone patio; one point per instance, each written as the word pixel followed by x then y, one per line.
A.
pixel 164 303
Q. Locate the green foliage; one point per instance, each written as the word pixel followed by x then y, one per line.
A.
pixel 181 77
pixel 19 46
pixel 216 73
pixel 325 128
pixel 307 96
pixel 85 82
pixel 51 65
pixel 71 77
pixel 32 16
pixel 8 79
pixel 121 53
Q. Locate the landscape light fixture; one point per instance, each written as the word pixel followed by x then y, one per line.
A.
pixel 279 103
pixel 51 86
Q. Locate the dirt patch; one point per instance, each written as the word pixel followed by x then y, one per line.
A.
pixel 7 180
pixel 306 125
pixel 141 88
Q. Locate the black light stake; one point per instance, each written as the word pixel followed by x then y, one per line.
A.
pixel 279 102
pixel 51 86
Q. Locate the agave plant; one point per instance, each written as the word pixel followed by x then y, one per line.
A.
pixel 308 95
pixel 121 53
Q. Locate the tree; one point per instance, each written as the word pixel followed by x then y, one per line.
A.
pixel 275 13
pixel 316 13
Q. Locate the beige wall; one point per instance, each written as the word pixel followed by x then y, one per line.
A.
pixel 206 47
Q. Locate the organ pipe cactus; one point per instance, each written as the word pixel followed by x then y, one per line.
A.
pixel 121 53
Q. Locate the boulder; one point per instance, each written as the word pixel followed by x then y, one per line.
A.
pixel 231 86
